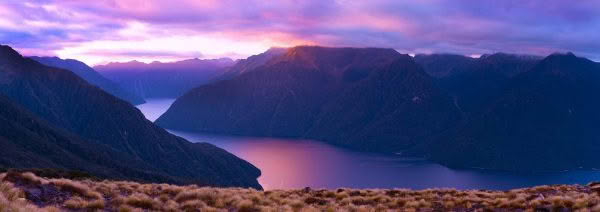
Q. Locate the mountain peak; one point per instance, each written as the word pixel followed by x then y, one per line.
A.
pixel 7 52
pixel 497 54
pixel 567 64
pixel 562 55
pixel 335 60
pixel 276 50
pixel 319 51
pixel 503 55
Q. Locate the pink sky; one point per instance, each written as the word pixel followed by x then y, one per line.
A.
pixel 100 31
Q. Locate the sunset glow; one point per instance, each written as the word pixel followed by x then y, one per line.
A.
pixel 97 32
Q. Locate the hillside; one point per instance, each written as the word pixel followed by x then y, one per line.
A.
pixel 251 63
pixel 28 192
pixel 91 76
pixel 29 142
pixel 474 83
pixel 543 120
pixel 388 101
pixel 69 103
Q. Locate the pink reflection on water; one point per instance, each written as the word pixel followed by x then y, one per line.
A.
pixel 288 164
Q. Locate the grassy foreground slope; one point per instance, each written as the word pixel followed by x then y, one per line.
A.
pixel 28 192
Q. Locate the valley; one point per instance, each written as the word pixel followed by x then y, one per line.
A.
pixel 299 106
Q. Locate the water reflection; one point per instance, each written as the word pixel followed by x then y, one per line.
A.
pixel 153 108
pixel 288 163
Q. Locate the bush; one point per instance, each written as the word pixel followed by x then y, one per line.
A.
pixel 87 195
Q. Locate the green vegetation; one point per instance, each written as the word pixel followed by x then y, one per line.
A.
pixel 29 192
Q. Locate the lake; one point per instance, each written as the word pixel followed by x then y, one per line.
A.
pixel 290 163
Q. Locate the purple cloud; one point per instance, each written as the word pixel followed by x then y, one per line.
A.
pixel 125 29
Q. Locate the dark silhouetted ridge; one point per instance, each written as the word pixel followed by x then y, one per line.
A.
pixel 545 119
pixel 364 98
pixel 90 75
pixel 443 65
pixel 480 81
pixel 69 103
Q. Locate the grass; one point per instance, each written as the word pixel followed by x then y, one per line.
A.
pixel 17 193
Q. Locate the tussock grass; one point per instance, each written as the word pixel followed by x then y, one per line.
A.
pixel 88 195
pixel 76 188
pixel 79 203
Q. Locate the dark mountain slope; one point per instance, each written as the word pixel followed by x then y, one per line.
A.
pixel 396 108
pixel 299 92
pixel 28 142
pixel 68 102
pixel 443 65
pixel 546 119
pixel 90 75
pixel 164 80
pixel 281 98
pixel 251 63
pixel 482 80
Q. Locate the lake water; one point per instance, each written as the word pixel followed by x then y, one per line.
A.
pixel 289 163
pixel 153 108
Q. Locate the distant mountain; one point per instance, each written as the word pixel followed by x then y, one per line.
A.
pixel 443 65
pixel 164 80
pixel 252 62
pixel 68 102
pixel 545 119
pixel 368 99
pixel 473 83
pixel 90 75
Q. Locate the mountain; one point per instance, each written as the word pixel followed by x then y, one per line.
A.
pixel 545 119
pixel 473 83
pixel 252 62
pixel 68 102
pixel 29 142
pixel 443 65
pixel 368 99
pixel 164 80
pixel 89 74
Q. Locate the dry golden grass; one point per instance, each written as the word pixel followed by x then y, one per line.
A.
pixel 87 195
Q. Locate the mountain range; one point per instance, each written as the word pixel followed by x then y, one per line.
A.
pixel 544 119
pixel 473 83
pixel 348 96
pixel 62 121
pixel 164 80
pixel 91 76
pixel 500 111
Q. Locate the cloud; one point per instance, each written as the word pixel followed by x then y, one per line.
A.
pixel 104 30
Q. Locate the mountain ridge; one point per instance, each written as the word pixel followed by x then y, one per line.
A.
pixel 164 80
pixel 289 93
pixel 551 118
pixel 90 75
pixel 70 103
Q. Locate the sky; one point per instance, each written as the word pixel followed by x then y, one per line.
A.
pixel 101 31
